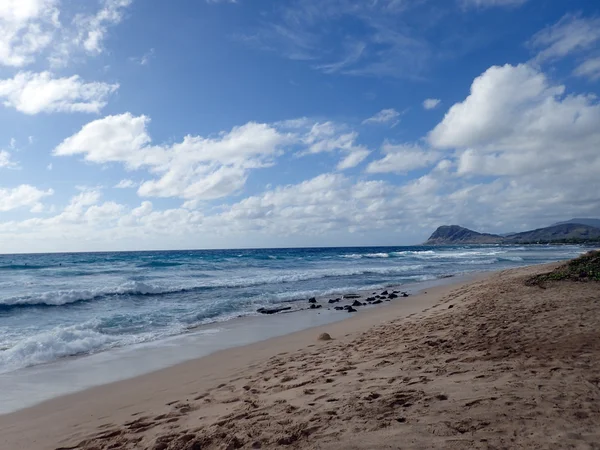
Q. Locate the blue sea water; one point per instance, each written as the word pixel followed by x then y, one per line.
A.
pixel 59 305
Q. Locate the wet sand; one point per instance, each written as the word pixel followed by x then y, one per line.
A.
pixel 490 363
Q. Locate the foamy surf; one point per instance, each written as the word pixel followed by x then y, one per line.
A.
pixel 58 306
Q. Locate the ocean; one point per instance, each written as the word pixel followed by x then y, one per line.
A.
pixel 54 306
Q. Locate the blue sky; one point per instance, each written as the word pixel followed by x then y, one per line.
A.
pixel 130 124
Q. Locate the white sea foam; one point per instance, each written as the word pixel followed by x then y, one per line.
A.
pixel 64 297
pixel 51 345
pixel 366 255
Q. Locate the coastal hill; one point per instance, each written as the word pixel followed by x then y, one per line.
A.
pixel 454 234
pixel 589 222
pixel 562 233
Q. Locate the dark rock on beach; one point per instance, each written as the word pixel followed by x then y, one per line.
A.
pixel 351 309
pixel 334 301
pixel 377 302
pixel 273 310
pixel 357 303
pixel 313 306
pixel 339 308
pixel 385 293
pixel 351 296
pixel 312 300
pixel 404 294
pixel 392 296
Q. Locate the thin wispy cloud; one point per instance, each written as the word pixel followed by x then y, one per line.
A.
pixel 384 116
pixel 572 34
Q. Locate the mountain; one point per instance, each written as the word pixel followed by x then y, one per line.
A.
pixel 569 232
pixel 564 232
pixel 454 234
pixel 588 222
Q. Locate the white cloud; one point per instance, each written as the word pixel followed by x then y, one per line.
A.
pixel 354 158
pixel 144 59
pixel 491 3
pixel 126 184
pixel 493 110
pixel 376 47
pixel 30 140
pixel 384 116
pixel 26 28
pixel 196 168
pixel 30 27
pixel 33 93
pixel 92 29
pixel 516 152
pixel 589 69
pixel 403 159
pixel 515 123
pixel 21 196
pixel 570 34
pixel 87 32
pixel 431 103
pixel 6 161
pixel 323 137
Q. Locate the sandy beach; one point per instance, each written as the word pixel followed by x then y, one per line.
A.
pixel 489 363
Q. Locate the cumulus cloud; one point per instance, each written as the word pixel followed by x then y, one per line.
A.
pixel 196 168
pixel 540 144
pixel 21 196
pixel 384 116
pixel 323 137
pixel 571 34
pixel 499 99
pixel 431 103
pixel 516 152
pixel 87 31
pixel 33 93
pixel 26 28
pixel 29 28
pixel 403 159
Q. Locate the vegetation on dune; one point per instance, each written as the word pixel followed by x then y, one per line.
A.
pixel 584 268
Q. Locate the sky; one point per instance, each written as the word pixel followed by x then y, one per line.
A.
pixel 145 124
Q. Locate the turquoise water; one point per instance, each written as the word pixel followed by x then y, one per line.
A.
pixel 58 305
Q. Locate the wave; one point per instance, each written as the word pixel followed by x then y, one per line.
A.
pixel 479 261
pixel 366 255
pixel 512 258
pixel 65 297
pixel 414 252
pixel 49 346
pixel 23 267
pixel 136 288
pixel 159 264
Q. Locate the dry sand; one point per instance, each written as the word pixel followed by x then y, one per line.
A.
pixel 486 364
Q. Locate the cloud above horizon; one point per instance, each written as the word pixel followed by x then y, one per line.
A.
pixel 207 151
pixel 33 93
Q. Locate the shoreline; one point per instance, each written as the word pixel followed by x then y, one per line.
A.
pixel 484 363
pixel 215 366
pixel 33 385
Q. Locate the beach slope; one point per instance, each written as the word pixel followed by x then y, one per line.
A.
pixel 500 362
